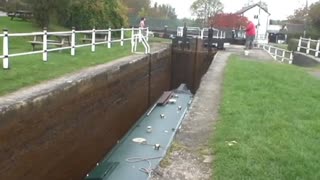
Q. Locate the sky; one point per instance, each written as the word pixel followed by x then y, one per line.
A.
pixel 279 9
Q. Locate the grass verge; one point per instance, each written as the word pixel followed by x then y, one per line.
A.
pixel 30 70
pixel 269 123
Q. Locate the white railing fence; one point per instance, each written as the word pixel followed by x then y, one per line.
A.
pixel 143 40
pixel 278 54
pixel 310 46
pixel 68 40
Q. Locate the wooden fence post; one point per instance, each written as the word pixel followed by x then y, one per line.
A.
pixel 132 39
pixel 308 46
pixel 122 37
pixel 283 55
pixel 269 49
pixel 147 34
pixel 299 44
pixel 140 34
pixel 109 38
pixel 93 40
pixel 5 63
pixel 317 48
pixel 291 58
pixel 73 42
pixel 45 45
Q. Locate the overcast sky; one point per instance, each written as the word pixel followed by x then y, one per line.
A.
pixel 279 9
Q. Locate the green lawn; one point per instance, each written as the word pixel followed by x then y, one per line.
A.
pixel 30 69
pixel 272 113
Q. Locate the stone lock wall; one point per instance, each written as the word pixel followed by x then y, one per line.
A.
pixel 60 129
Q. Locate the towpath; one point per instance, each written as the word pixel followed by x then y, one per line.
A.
pixel 190 157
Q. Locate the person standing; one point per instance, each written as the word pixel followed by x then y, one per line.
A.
pixel 250 35
pixel 142 22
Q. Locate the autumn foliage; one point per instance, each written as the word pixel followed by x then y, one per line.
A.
pixel 230 21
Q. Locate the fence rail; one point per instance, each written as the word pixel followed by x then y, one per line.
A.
pixel 69 39
pixel 278 54
pixel 308 42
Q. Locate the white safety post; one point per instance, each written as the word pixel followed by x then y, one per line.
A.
pixel 308 46
pixel 122 37
pixel 73 42
pixel 317 48
pixel 132 39
pixel 45 45
pixel 299 44
pixel 5 63
pixel 276 53
pixel 283 55
pixel 109 38
pixel 93 40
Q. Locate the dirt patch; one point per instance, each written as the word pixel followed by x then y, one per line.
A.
pixel 193 159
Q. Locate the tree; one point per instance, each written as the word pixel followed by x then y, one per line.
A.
pixel 314 14
pixel 264 5
pixel 42 10
pixel 299 16
pixel 230 21
pixel 163 11
pixel 204 9
pixel 86 14
pixel 136 6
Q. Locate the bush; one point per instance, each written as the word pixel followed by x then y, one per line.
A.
pixel 83 14
pixel 101 14
pixel 293 44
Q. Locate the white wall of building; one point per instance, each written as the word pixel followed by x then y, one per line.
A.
pixel 262 19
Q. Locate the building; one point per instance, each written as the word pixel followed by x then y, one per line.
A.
pixel 259 15
pixel 279 33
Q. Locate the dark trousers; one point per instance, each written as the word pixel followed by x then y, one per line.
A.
pixel 249 42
